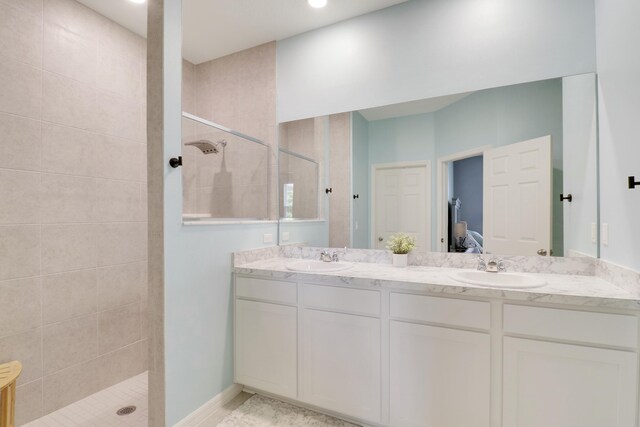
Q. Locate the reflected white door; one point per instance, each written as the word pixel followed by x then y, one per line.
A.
pixel 517 198
pixel 401 204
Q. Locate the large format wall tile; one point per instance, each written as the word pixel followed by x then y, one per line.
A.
pixel 29 402
pixel 120 285
pixel 69 53
pixel 68 247
pixel 21 88
pixel 68 102
pixel 71 384
pixel 68 151
pixel 20 196
pixel 68 199
pixel 33 7
pixel 69 295
pixel 27 348
pixel 119 243
pixel 20 142
pixel 70 342
pixel 122 364
pixel 73 191
pixel 119 201
pixel 19 251
pixel 118 328
pixel 20 35
pixel 20 305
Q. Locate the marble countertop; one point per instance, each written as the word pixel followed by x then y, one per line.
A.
pixel 588 291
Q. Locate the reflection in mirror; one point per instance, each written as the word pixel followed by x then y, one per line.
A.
pixel 225 173
pixel 299 186
pixel 479 172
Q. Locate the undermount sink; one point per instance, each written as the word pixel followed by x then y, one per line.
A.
pixel 498 280
pixel 317 266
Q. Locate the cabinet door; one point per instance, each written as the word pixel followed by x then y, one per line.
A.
pixel 439 377
pixel 550 384
pixel 266 347
pixel 341 363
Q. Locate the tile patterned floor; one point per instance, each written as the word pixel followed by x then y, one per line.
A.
pixel 99 409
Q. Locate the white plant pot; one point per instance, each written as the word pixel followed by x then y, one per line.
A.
pixel 400 260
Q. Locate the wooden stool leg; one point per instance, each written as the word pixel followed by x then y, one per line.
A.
pixel 7 406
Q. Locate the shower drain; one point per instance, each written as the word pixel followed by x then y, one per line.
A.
pixel 126 410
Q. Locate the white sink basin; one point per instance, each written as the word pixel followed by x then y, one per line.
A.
pixel 498 280
pixel 317 266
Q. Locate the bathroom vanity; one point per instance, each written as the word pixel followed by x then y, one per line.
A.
pixel 379 345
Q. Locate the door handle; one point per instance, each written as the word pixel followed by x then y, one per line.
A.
pixel 380 239
pixel 542 252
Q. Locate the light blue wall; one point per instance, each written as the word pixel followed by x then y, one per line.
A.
pixel 313 233
pixel 467 184
pixel 427 48
pixel 360 181
pixel 619 116
pixel 198 304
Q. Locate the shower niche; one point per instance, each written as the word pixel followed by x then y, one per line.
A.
pixel 225 173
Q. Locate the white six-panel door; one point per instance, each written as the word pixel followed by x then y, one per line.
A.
pixel 517 198
pixel 402 204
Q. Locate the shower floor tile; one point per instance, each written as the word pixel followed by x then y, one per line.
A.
pixel 99 409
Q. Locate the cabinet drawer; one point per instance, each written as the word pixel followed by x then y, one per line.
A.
pixel 597 328
pixel 447 311
pixel 266 290
pixel 356 301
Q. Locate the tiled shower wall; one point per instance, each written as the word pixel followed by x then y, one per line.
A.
pixel 237 91
pixel 73 202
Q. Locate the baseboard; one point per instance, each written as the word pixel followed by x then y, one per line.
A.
pixel 200 415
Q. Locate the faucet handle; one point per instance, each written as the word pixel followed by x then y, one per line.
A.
pixel 502 266
pixel 482 264
pixel 334 257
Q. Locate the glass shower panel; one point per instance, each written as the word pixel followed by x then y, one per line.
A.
pixel 298 186
pixel 225 174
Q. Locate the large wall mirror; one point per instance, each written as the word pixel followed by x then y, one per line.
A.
pixel 509 170
pixel 502 170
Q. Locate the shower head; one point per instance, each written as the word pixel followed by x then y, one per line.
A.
pixel 208 147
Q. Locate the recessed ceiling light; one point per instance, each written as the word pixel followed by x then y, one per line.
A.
pixel 317 3
pixel 138 1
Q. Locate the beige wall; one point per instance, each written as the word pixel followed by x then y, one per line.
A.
pixel 340 180
pixel 237 91
pixel 73 213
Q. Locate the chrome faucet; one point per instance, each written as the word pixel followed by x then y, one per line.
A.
pixel 493 266
pixel 325 256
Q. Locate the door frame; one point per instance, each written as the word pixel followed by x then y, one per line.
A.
pixel 442 181
pixel 426 164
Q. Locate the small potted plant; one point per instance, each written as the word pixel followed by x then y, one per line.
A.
pixel 401 244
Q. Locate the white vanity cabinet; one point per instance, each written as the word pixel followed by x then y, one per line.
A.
pixel 397 358
pixel 573 385
pixel 439 376
pixel 341 351
pixel 266 344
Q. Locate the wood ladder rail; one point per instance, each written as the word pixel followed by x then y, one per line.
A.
pixel 9 373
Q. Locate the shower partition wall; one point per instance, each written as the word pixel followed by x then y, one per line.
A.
pixel 225 173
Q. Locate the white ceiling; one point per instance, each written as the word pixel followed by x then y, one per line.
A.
pixel 214 28
pixel 421 106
